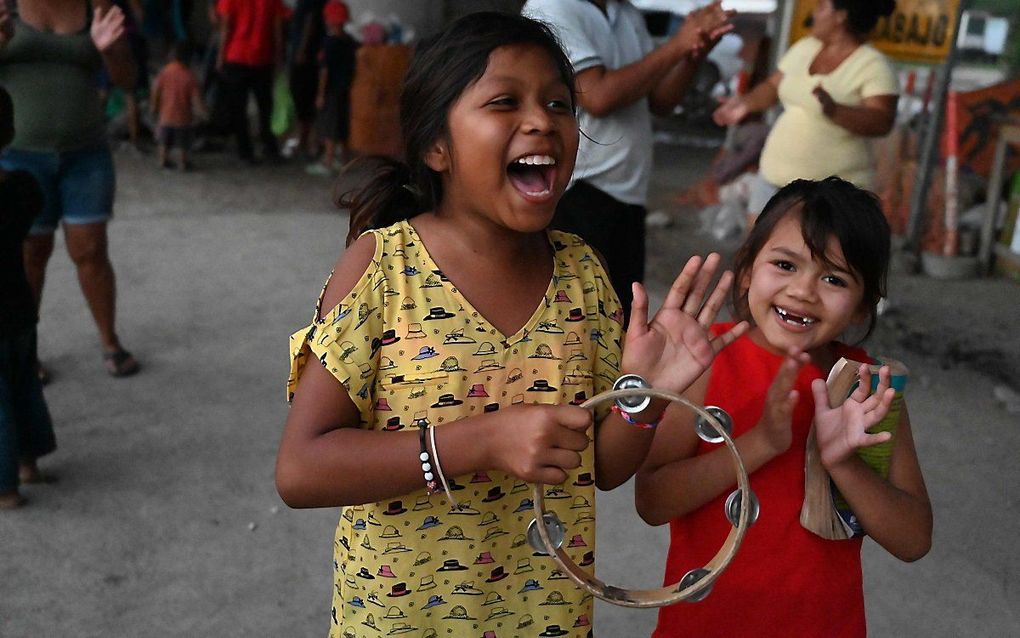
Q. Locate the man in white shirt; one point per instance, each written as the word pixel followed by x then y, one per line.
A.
pixel 622 78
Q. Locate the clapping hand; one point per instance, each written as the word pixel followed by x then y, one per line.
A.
pixel 676 347
pixel 842 430
pixel 107 27
pixel 732 111
pixel 703 27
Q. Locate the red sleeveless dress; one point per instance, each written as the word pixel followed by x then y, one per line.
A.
pixel 784 581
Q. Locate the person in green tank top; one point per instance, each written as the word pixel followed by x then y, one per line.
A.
pixel 50 53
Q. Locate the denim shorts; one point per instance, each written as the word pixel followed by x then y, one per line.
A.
pixel 77 186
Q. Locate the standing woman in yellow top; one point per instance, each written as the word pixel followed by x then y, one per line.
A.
pixel 836 90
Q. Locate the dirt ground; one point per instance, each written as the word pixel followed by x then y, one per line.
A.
pixel 165 520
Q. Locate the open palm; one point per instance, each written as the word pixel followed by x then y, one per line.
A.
pixel 676 346
pixel 107 27
pixel 842 430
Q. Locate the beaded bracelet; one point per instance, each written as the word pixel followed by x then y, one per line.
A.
pixel 626 416
pixel 426 467
pixel 439 469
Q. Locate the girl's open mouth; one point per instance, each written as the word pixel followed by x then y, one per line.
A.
pixel 533 176
pixel 792 319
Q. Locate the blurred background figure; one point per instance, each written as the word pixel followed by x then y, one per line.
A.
pixel 251 50
pixel 307 29
pixel 836 90
pixel 333 100
pixel 175 99
pixel 50 55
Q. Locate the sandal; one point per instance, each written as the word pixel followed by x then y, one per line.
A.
pixel 120 363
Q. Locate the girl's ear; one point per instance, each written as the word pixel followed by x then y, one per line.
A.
pixel 438 157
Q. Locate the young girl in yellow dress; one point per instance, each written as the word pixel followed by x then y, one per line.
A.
pixel 452 344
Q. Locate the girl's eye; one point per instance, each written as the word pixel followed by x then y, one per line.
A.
pixel 835 281
pixel 559 105
pixel 503 101
pixel 782 264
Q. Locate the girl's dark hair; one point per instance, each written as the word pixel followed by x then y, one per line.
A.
pixel 831 207
pixel 863 15
pixel 442 67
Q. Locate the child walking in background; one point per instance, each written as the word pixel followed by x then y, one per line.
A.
pixel 175 98
pixel 333 101
pixel 814 263
pixel 26 432
pixel 452 344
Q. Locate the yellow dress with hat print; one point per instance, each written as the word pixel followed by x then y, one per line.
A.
pixel 411 351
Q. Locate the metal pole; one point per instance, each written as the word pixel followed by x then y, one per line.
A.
pixel 929 148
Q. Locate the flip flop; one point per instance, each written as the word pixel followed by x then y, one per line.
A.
pixel 120 363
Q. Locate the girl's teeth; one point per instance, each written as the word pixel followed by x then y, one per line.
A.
pixel 804 321
pixel 536 160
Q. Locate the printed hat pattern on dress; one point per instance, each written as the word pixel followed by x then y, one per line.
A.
pixel 523 566
pixel 446 401
pixel 434 601
pixel 400 589
pixel 427 582
pixel 530 585
pixel 477 390
pixel 393 424
pixel 386 571
pixel 492 598
pixel 467 588
pixel 426 352
pixel 428 523
pixel 409 387
pixel 394 612
pixel 553 630
pixel 438 312
pixel 451 565
pixel 400 628
pixel 577 541
pixel 541 385
pixel 459 613
pixel 414 331
pixel 499 612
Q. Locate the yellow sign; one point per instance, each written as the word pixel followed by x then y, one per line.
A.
pixel 918 31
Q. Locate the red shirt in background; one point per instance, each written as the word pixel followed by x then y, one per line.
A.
pixel 178 90
pixel 252 30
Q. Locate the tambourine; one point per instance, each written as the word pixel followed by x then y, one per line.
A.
pixel 633 394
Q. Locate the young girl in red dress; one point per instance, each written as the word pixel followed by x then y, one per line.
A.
pixel 813 265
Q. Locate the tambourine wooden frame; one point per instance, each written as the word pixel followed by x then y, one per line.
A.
pixel 675 593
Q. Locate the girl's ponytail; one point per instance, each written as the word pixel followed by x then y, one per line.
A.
pixel 389 196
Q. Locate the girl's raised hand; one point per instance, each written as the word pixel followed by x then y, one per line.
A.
pixel 676 347
pixel 538 443
pixel 777 416
pixel 107 27
pixel 842 430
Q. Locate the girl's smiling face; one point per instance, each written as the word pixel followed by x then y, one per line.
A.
pixel 799 300
pixel 512 141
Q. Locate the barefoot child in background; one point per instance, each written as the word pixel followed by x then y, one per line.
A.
pixel 26 432
pixel 452 343
pixel 813 265
pixel 176 98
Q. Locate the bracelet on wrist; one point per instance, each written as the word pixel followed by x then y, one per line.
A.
pixel 626 416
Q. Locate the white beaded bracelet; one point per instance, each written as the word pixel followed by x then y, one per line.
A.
pixel 439 469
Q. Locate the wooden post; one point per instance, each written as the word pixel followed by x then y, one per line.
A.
pixel 922 181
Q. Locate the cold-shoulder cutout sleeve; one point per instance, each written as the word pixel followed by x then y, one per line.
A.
pixel 345 338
